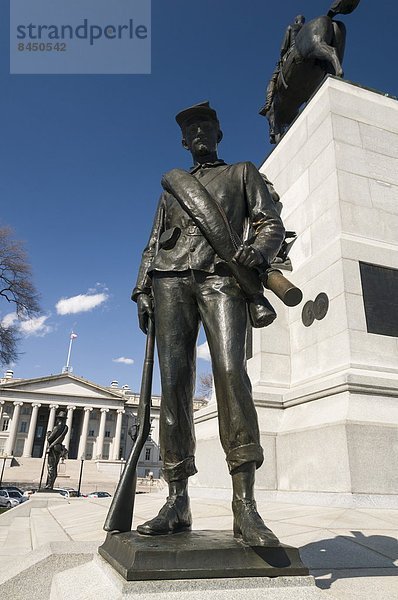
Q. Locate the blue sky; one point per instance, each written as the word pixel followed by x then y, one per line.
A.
pixel 81 159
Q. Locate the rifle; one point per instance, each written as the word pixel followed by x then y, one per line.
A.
pixel 120 514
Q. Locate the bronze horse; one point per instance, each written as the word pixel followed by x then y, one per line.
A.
pixel 317 51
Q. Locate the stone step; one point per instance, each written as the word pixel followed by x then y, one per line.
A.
pixel 3 535
pixel 45 528
pixel 26 474
pixel 18 540
pixel 28 470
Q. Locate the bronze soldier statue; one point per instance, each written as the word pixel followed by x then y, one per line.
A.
pixel 183 282
pixel 55 449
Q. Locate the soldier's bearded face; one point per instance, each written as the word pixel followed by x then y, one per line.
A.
pixel 201 137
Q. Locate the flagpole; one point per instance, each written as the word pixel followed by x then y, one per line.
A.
pixel 66 369
pixel 70 350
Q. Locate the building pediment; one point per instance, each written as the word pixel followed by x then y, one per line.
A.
pixel 60 385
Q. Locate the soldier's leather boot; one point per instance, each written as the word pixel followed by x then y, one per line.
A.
pixel 248 525
pixel 174 516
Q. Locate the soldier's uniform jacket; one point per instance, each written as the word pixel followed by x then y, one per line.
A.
pixel 241 192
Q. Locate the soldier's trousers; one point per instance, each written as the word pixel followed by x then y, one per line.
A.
pixel 182 301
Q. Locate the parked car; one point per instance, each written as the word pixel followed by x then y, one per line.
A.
pixel 13 488
pixel 30 492
pixel 68 492
pixel 11 498
pixel 99 495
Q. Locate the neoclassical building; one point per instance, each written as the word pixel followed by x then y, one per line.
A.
pixel 101 420
pixel 28 409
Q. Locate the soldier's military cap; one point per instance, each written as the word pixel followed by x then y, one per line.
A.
pixel 201 110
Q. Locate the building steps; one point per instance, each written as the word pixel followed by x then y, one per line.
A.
pixel 25 473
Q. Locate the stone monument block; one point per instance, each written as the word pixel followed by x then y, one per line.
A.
pixel 325 378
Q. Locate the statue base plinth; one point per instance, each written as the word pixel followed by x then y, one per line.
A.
pixel 196 555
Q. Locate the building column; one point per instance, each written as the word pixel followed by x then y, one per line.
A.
pixel 12 436
pixel 2 402
pixel 27 451
pixel 118 434
pixel 51 418
pixel 83 437
pixel 50 425
pixel 101 433
pixel 69 420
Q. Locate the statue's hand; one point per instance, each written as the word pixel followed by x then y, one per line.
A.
pixel 145 311
pixel 248 256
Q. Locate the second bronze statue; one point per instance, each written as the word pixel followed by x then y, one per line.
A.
pixel 309 51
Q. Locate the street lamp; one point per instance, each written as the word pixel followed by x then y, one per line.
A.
pixel 2 470
pixel 81 473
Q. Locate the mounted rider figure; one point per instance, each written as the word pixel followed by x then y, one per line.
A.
pixel 288 43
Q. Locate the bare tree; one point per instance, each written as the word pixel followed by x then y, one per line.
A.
pixel 17 289
pixel 205 384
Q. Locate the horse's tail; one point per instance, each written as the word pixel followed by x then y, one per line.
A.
pixel 342 7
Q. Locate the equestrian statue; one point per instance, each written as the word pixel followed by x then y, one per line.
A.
pixel 309 52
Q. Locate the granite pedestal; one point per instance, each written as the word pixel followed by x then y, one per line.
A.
pixel 98 579
pixel 326 389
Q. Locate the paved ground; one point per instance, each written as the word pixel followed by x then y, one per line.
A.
pixel 353 553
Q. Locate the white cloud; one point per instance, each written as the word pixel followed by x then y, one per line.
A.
pixel 203 351
pixel 80 303
pixel 9 320
pixel 36 326
pixel 123 360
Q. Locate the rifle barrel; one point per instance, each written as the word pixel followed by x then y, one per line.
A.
pixel 120 514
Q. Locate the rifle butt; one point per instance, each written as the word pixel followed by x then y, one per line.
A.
pixel 120 516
